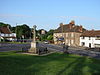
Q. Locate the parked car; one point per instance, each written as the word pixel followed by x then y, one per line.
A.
pixel 46 42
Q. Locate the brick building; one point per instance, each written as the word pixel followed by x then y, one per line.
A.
pixel 68 34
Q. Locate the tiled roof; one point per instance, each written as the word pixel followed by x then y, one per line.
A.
pixel 69 28
pixel 91 33
pixel 5 30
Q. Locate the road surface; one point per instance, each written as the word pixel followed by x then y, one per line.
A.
pixel 57 48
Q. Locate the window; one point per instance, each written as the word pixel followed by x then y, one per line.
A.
pixel 89 38
pixel 97 45
pixel 72 41
pixel 90 45
pixel 72 34
pixel 8 34
pixel 66 34
pixel 2 34
pixel 83 43
pixel 98 38
pixel 83 37
pixel 66 41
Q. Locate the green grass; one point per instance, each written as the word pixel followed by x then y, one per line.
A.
pixel 53 64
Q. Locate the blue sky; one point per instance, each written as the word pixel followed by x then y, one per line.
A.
pixel 47 14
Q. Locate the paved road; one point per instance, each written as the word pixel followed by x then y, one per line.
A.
pixel 12 47
pixel 72 50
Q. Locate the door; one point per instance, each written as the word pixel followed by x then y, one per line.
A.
pixel 90 45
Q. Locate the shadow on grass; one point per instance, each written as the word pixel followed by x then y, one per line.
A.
pixel 77 66
pixel 19 64
pixel 94 70
pixel 82 66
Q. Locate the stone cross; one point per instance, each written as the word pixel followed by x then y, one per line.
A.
pixel 33 43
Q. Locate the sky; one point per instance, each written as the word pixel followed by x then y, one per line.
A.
pixel 48 14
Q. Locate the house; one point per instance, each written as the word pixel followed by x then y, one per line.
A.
pixel 5 33
pixel 43 31
pixel 90 38
pixel 68 34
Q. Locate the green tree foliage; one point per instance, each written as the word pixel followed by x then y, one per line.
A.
pixel 50 34
pixel 23 30
pixel 43 37
pixel 47 36
pixel 13 29
pixel 3 24
pixel 50 37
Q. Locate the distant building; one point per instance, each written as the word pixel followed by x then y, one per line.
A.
pixel 43 31
pixel 68 34
pixel 5 33
pixel 90 39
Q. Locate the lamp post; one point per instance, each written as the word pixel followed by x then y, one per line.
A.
pixel 33 43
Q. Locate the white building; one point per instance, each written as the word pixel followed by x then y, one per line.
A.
pixel 90 39
pixel 5 33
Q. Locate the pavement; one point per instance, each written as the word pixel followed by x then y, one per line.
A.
pixel 4 47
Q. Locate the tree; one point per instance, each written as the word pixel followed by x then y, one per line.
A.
pixel 26 30
pixel 50 34
pixel 23 30
pixel 13 29
pixel 50 37
pixel 47 36
pixel 3 24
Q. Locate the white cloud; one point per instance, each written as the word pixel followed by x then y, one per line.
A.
pixel 78 17
pixel 61 17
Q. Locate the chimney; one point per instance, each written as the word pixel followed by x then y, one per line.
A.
pixel 80 28
pixel 61 24
pixel 72 22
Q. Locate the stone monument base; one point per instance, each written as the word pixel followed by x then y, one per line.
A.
pixel 33 48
